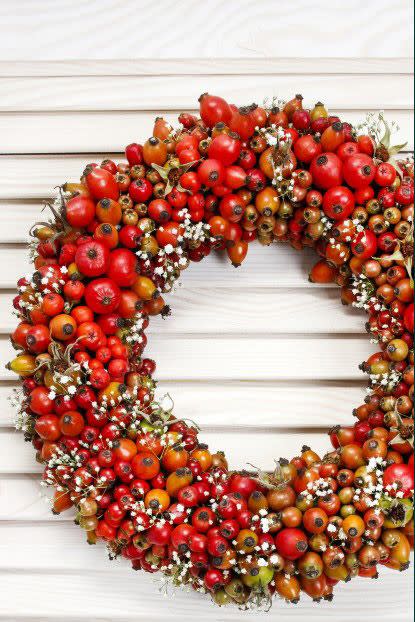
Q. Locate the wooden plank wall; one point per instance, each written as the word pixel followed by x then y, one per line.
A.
pixel 261 358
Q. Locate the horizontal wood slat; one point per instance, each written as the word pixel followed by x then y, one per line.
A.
pixel 205 66
pixel 41 175
pixel 177 92
pixel 24 499
pixel 60 546
pixel 76 132
pixel 319 404
pixel 278 358
pixel 16 218
pixel 277 266
pixel 28 177
pixel 208 30
pixel 239 443
pixel 23 179
pixel 263 357
pixel 260 358
pixel 80 595
pixel 278 311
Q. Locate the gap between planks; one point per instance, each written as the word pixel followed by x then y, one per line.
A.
pixel 52 596
pixel 105 93
pixel 206 66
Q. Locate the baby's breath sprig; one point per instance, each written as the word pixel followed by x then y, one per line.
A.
pixel 380 130
pixel 280 142
pixel 273 103
pixel 364 291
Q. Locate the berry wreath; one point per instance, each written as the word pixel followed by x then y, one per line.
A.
pixel 115 244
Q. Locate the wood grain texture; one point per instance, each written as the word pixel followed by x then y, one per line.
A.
pixel 15 219
pixel 78 84
pixel 108 132
pixel 238 442
pixel 245 66
pixel 274 310
pixel 320 403
pixel 63 548
pixel 27 177
pixel 110 29
pixel 64 551
pixel 122 595
pixel 277 266
pixel 212 357
pixel 24 499
pixel 179 92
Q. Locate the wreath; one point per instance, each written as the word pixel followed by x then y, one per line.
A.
pixel 115 244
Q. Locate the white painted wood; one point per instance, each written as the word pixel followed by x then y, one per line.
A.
pixel 206 66
pixel 110 29
pixel 23 499
pixel 14 219
pixel 283 367
pixel 277 311
pixel 238 442
pixel 277 266
pixel 278 358
pixel 178 92
pixel 63 548
pixel 75 132
pixel 320 404
pixel 64 551
pixel 25 177
pixel 101 596
pixel 268 357
pixel 39 180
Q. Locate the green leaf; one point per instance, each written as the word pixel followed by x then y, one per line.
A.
pixel 160 170
pixel 396 256
pixel 186 167
pixel 387 135
pixel 396 149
